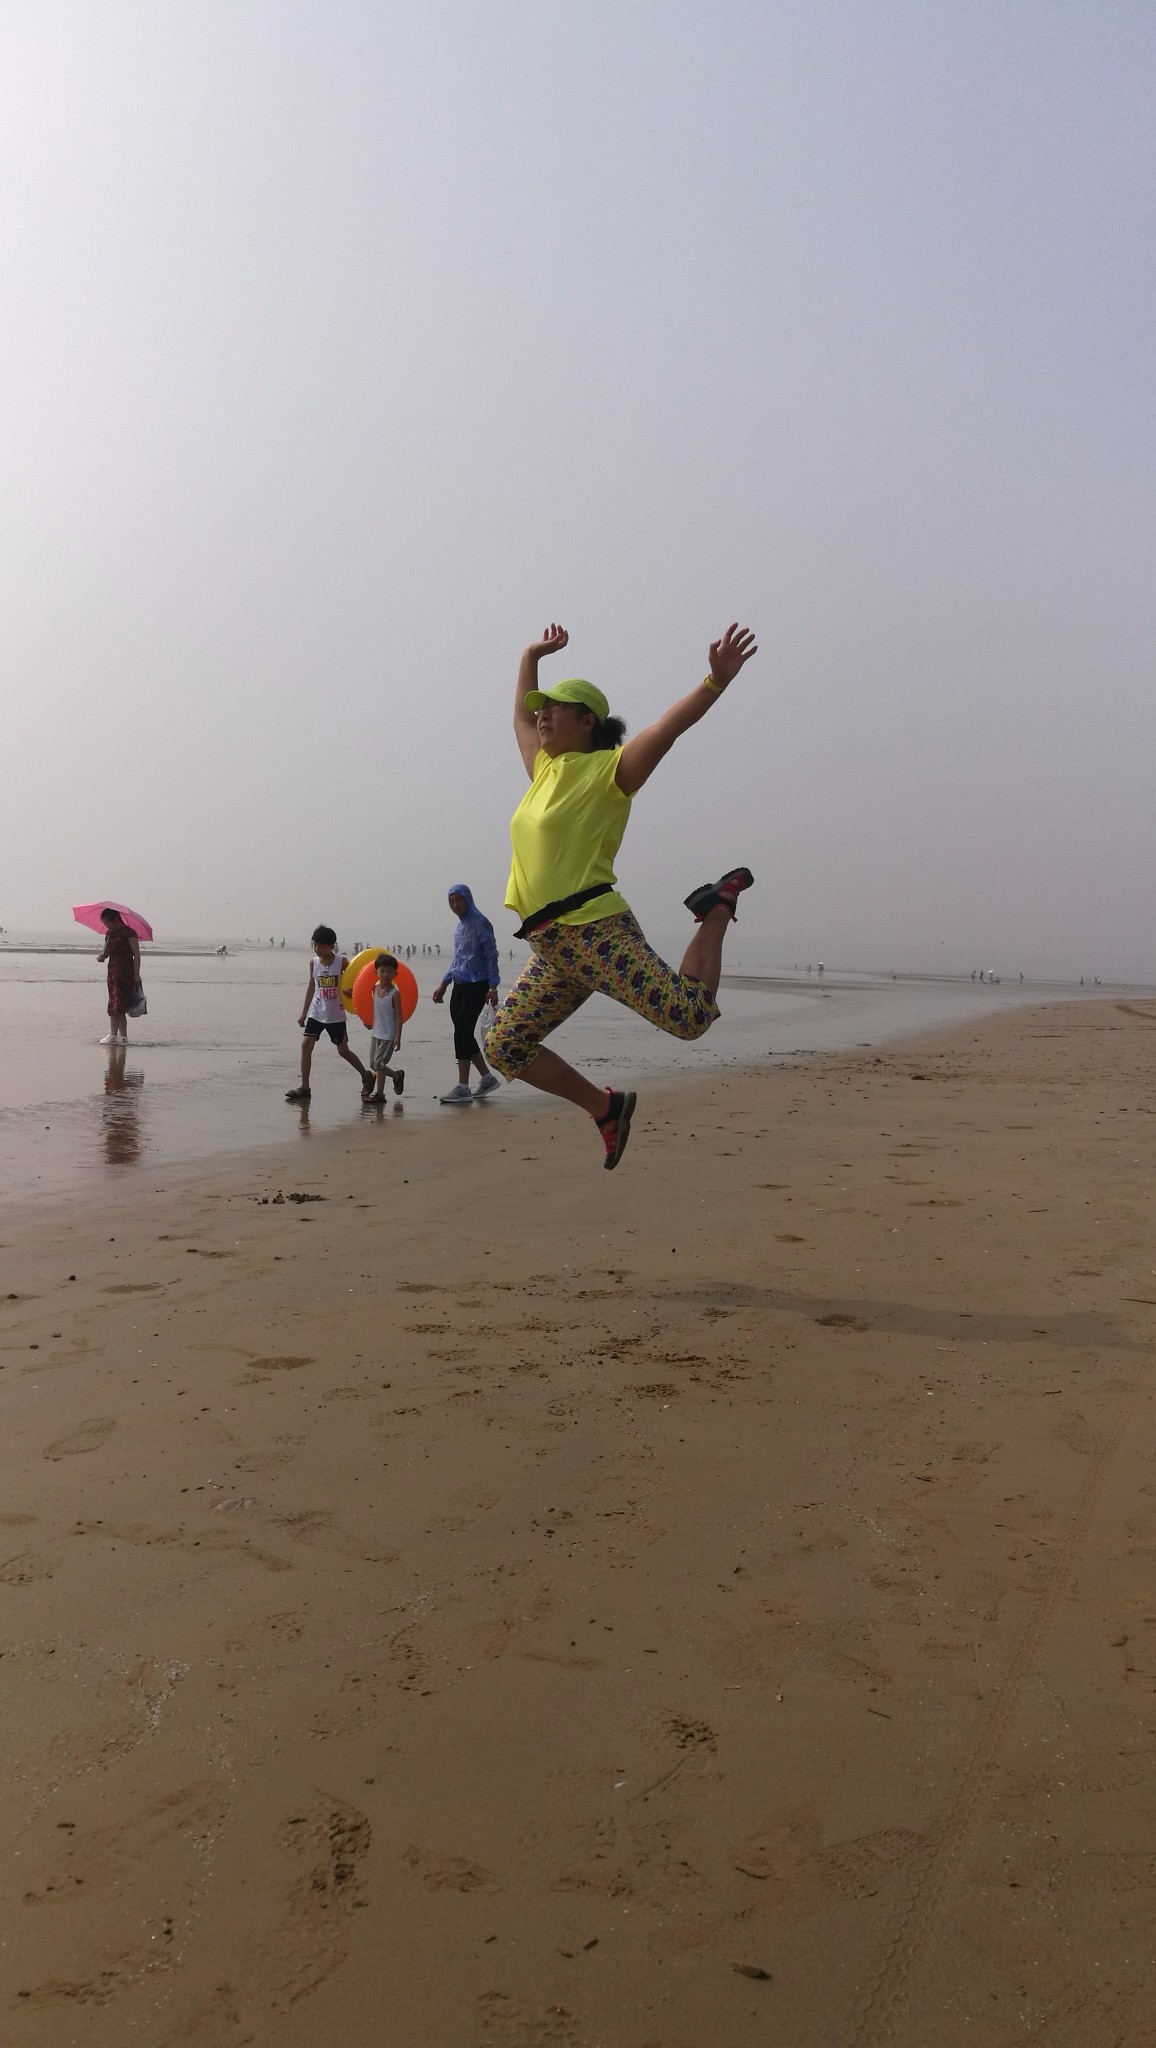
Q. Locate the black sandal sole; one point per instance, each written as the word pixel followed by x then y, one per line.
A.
pixel 629 1104
pixel 706 896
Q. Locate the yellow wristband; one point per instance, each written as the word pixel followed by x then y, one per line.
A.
pixel 708 683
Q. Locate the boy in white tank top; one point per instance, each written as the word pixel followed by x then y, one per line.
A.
pixel 323 1012
pixel 385 1038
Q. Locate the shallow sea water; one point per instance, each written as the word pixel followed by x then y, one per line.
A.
pixel 206 1071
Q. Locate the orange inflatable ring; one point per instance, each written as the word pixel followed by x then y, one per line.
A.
pixel 358 981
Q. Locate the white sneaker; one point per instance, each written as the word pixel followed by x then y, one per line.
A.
pixel 458 1095
pixel 113 1038
pixel 486 1086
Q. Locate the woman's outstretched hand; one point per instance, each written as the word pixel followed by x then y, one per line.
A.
pixel 728 654
pixel 553 641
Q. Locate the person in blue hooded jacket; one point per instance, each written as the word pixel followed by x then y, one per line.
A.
pixel 473 977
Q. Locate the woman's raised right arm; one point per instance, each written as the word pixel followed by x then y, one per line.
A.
pixel 553 641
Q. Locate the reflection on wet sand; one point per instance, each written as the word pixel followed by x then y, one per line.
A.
pixel 122 1112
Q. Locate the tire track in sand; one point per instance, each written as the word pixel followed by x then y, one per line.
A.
pixel 882 2003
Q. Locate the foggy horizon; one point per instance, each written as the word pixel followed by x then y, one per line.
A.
pixel 343 349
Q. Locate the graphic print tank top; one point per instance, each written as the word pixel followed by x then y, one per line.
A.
pixel 326 1005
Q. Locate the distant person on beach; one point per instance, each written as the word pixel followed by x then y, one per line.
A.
pixel 122 952
pixel 565 834
pixel 385 1038
pixel 474 979
pixel 323 1012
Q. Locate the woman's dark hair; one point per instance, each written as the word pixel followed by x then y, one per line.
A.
pixel 324 936
pixel 608 732
pixel 111 916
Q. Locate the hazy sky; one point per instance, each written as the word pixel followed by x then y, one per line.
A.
pixel 342 345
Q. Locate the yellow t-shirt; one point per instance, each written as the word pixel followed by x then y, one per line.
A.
pixel 565 834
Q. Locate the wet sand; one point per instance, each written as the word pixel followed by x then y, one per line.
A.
pixel 505 1605
pixel 206 1071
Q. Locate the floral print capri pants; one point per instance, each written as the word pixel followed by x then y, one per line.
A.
pixel 573 961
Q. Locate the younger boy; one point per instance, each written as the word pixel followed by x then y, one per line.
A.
pixel 385 1038
pixel 323 1011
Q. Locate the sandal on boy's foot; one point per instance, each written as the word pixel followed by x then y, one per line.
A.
pixel 726 891
pixel 367 1087
pixel 398 1080
pixel 298 1094
pixel 615 1125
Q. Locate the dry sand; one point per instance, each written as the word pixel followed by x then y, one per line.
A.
pixel 503 1605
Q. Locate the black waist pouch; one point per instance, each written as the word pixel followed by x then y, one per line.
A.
pixel 550 911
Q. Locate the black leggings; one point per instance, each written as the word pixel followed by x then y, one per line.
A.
pixel 467 1001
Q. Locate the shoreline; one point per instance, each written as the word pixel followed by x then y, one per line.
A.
pixel 704 1603
pixel 194 1098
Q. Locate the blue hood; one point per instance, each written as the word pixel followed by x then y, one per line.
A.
pixel 475 950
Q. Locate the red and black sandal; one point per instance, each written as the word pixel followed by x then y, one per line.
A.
pixel 726 891
pixel 615 1125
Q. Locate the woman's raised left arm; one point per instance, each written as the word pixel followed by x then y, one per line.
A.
pixel 641 755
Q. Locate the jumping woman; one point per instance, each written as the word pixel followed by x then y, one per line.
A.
pixel 565 833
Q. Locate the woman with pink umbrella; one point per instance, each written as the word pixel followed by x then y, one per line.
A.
pixel 123 931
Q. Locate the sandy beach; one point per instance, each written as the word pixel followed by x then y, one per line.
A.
pixel 452 1597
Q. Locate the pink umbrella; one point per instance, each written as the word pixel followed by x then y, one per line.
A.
pixel 89 914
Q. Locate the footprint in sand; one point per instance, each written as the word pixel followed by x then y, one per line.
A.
pixel 25 1569
pixel 450 1873
pixel 328 1842
pixel 791 1857
pixel 288 1363
pixel 504 2022
pixel 262 1461
pixel 683 1730
pixel 973 1453
pixel 189 1814
pixel 140 1533
pixel 287 1626
pixel 332 1841
pixel 87 1436
pixel 1075 1431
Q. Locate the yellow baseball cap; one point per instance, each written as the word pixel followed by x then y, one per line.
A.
pixel 573 691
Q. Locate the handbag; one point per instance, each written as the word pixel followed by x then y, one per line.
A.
pixel 138 1006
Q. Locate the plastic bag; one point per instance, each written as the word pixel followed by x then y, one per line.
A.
pixel 138 1006
pixel 485 1024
